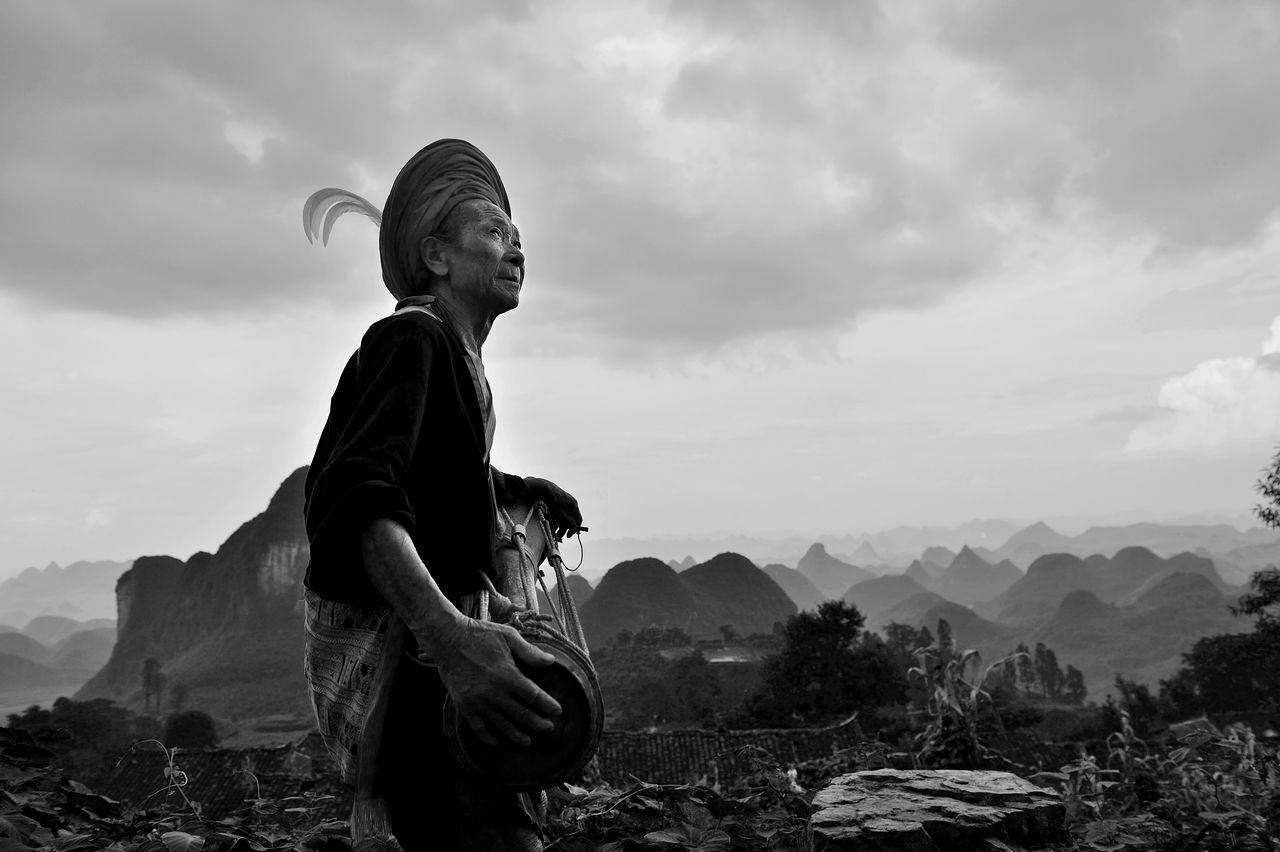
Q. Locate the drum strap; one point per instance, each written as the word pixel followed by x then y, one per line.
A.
pixel 502 609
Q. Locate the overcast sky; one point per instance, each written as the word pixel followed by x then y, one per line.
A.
pixel 802 266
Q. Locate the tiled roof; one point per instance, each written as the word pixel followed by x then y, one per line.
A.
pixel 678 757
pixel 221 780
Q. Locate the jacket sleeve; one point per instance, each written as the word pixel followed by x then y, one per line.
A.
pixel 367 472
pixel 507 487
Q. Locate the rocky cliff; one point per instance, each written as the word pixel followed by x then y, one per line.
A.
pixel 227 625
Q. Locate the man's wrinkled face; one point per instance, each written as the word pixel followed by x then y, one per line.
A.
pixel 486 265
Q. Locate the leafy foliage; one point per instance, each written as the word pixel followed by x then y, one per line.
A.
pixel 953 705
pixel 86 736
pixel 1218 790
pixel 1234 671
pixel 767 810
pixel 42 810
pixel 828 668
pixel 190 729
pixel 1268 485
pixel 643 689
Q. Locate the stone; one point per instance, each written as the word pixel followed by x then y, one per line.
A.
pixel 916 810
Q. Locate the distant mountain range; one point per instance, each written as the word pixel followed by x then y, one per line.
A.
pixel 830 575
pixel 227 625
pixel 726 589
pixel 1050 577
pixel 50 656
pixel 1236 553
pixel 82 590
pixel 1133 614
pixel 803 593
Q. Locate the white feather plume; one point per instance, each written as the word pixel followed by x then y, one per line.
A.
pixel 324 207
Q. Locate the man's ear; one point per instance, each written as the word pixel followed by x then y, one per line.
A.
pixel 434 256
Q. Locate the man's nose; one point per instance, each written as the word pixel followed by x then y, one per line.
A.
pixel 515 257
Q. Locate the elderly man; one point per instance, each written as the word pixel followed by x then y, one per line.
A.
pixel 400 513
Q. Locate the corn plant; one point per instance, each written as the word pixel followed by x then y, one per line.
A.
pixel 954 692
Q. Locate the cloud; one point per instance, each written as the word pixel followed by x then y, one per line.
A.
pixel 1160 107
pixel 1220 402
pixel 686 175
pixel 715 178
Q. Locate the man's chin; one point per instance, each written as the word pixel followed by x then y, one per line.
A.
pixel 508 302
pixel 508 297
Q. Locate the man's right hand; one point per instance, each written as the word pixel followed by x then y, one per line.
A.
pixel 477 664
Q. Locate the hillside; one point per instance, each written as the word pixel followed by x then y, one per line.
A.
pixel 1147 637
pixel 633 595
pixel 36 672
pixel 1142 634
pixel 579 587
pixel 831 576
pixel 803 593
pixel 925 572
pixel 21 645
pixel 878 594
pixel 730 589
pixel 969 578
pixel 726 589
pixel 1034 597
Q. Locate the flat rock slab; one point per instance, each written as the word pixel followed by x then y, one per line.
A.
pixel 917 810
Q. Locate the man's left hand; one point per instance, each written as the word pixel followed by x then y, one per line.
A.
pixel 562 508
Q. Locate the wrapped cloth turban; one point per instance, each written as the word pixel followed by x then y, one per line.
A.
pixel 434 181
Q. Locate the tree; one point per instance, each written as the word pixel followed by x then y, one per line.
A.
pixel 903 640
pixel 149 668
pixel 178 696
pixel 1262 601
pixel 1268 485
pixel 1048 672
pixel 730 635
pixel 1233 671
pixel 92 735
pixel 1073 688
pixel 159 681
pixel 1179 698
pixel 827 669
pixel 1136 700
pixel 649 637
pixel 674 637
pixel 1025 669
pixel 190 729
pixel 1237 671
pixel 697 691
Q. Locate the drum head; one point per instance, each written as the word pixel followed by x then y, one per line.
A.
pixel 551 757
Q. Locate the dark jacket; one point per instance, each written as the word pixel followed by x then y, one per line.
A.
pixel 405 441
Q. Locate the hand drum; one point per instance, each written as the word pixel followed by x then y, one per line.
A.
pixel 551 757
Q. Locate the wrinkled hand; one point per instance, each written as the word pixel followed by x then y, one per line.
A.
pixel 477 664
pixel 562 508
